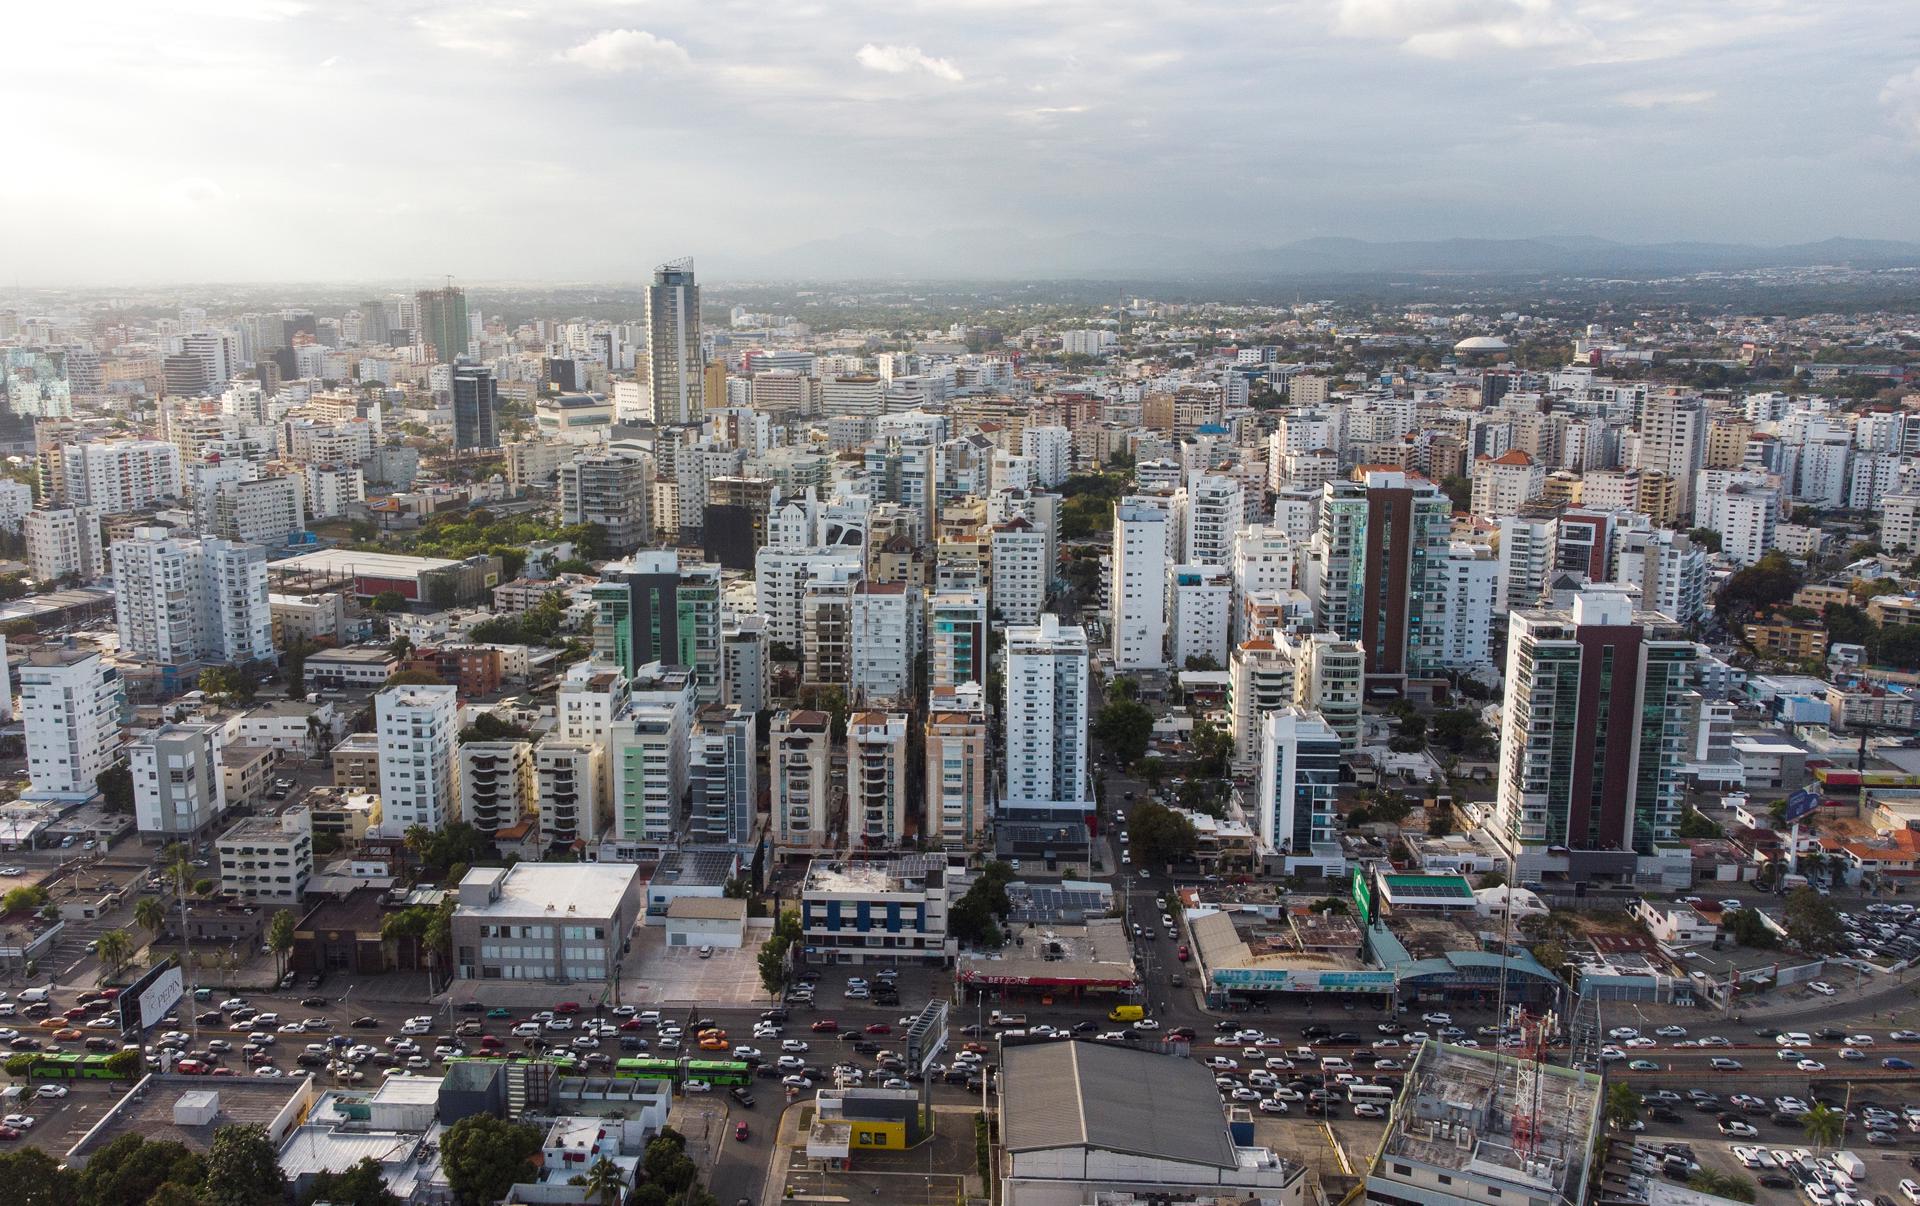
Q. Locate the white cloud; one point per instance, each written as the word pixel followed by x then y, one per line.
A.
pixel 616 50
pixel 1659 98
pixel 1451 28
pixel 898 60
pixel 1901 99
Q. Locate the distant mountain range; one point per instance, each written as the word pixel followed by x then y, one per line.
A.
pixel 1005 254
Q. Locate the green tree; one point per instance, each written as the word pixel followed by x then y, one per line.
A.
pixel 1124 728
pixel 1722 1185
pixel 1693 824
pixel 1706 538
pixel 243 1168
pixel 114 952
pixel 361 1185
pixel 280 938
pixel 775 973
pixel 1823 1125
pixel 1746 928
pixel 133 1168
pixel 1767 583
pixel 116 786
pixel 1458 489
pixel 30 1177
pixel 1160 835
pixel 127 1065
pixel 1812 922
pixel 972 922
pixel 1623 1104
pixel 388 601
pixel 484 1157
pixel 413 678
pixel 23 899
pixel 1495 878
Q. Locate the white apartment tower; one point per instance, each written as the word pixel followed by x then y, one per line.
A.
pixel 877 777
pixel 1216 510
pixel 415 728
pixel 178 789
pixel 180 600
pixel 1259 681
pixel 676 364
pixel 65 541
pixel 70 703
pixel 1137 597
pixel 799 761
pixel 1046 714
pixel 886 618
pixel 497 789
pixel 1200 614
pixel 1018 580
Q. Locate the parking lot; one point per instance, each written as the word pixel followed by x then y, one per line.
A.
pixel 729 978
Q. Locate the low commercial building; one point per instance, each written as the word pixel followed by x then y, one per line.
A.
pixel 436 580
pixel 353 666
pixel 1475 1127
pixel 893 911
pixel 190 1110
pixel 292 726
pixel 1673 924
pixel 343 814
pixel 268 860
pixel 551 922
pixel 356 762
pixel 247 770
pixel 707 921
pixel 1099 1122
pixel 851 1120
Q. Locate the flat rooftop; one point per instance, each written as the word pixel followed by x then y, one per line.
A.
pixel 147 1109
pixel 348 562
pixel 1497 1117
pixel 557 889
pixel 1096 954
pixel 892 875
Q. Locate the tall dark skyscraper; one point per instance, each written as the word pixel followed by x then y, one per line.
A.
pixel 673 340
pixel 443 321
pixel 475 399
pixel 374 327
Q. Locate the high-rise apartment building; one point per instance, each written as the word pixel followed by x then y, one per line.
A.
pixel 1199 617
pixel 1137 596
pixel 1668 569
pixel 266 511
pixel 476 406
pixel 570 780
pixel 1592 742
pixel 70 704
pixel 1459 617
pixel 1216 510
pixel 800 763
pixel 885 619
pixel 1367 570
pixel 1329 677
pixel 649 608
pixel 120 475
pixel 415 726
pixel 1259 680
pixel 1046 714
pixel 178 789
pixel 443 325
pixel 877 777
pixel 1673 441
pixel 65 541
pixel 676 364
pixel 956 638
pixel 1299 772
pixel 723 778
pixel 180 599
pixel 614 489
pixel 497 787
pixel 647 756
pixel 958 787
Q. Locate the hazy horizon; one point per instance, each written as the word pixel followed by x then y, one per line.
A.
pixel 243 141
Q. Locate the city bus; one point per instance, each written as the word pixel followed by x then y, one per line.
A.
pixel 720 1071
pixel 1379 1094
pixel 65 1066
pixel 648 1069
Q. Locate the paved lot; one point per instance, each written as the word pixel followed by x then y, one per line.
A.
pixel 656 972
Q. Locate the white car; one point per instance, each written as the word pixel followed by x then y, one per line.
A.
pixel 427 1028
pixel 697 1086
pixel 1618 1032
pixel 269 1070
pixel 793 1046
pixel 1437 1019
pixel 790 1063
pixel 1640 1042
pixel 1367 1109
pixel 1672 1032
pixel 1859 1040
pixel 1852 1053
pixel 1811 1065
pixel 50 1091
pixel 791 1082
pixel 1823 988
pixel 555 1024
pixel 233 1003
pixel 1272 1105
pixel 19 1122
pixel 1222 1063
pixel 1146 1024
pixel 742 1052
pixel 527 1030
pixel 1910 1188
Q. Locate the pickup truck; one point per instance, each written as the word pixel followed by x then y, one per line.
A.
pixel 996 1018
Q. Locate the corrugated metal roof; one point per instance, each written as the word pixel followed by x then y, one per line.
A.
pixel 1104 1096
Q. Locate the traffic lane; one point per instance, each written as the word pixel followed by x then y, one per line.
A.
pixel 740 1167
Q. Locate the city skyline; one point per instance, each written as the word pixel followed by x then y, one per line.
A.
pixel 829 136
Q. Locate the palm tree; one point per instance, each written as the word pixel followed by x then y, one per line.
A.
pixel 1824 1125
pixel 150 914
pixel 115 949
pixel 280 933
pixel 604 1182
pixel 179 868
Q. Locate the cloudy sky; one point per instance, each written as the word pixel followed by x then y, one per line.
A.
pixel 155 140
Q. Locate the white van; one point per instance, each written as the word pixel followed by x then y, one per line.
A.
pixel 34 994
pixel 1334 1063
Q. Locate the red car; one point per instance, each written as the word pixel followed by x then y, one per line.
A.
pixel 567 1007
pixel 8 1132
pixel 632 1024
pixel 740 1131
pixel 826 1026
pixel 489 1042
pixel 76 1013
pixel 1183 955
pixel 108 994
pixel 879 1028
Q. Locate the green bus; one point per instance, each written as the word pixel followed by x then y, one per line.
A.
pixel 65 1066
pixel 648 1069
pixel 720 1071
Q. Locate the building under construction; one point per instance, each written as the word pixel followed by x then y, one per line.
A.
pixel 1478 1127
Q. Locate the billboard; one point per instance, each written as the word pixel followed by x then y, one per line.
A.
pixel 1801 804
pixel 1281 979
pixel 1362 896
pixel 145 1001
pixel 927 1035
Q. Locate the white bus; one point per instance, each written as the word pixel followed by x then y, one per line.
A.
pixel 1376 1093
